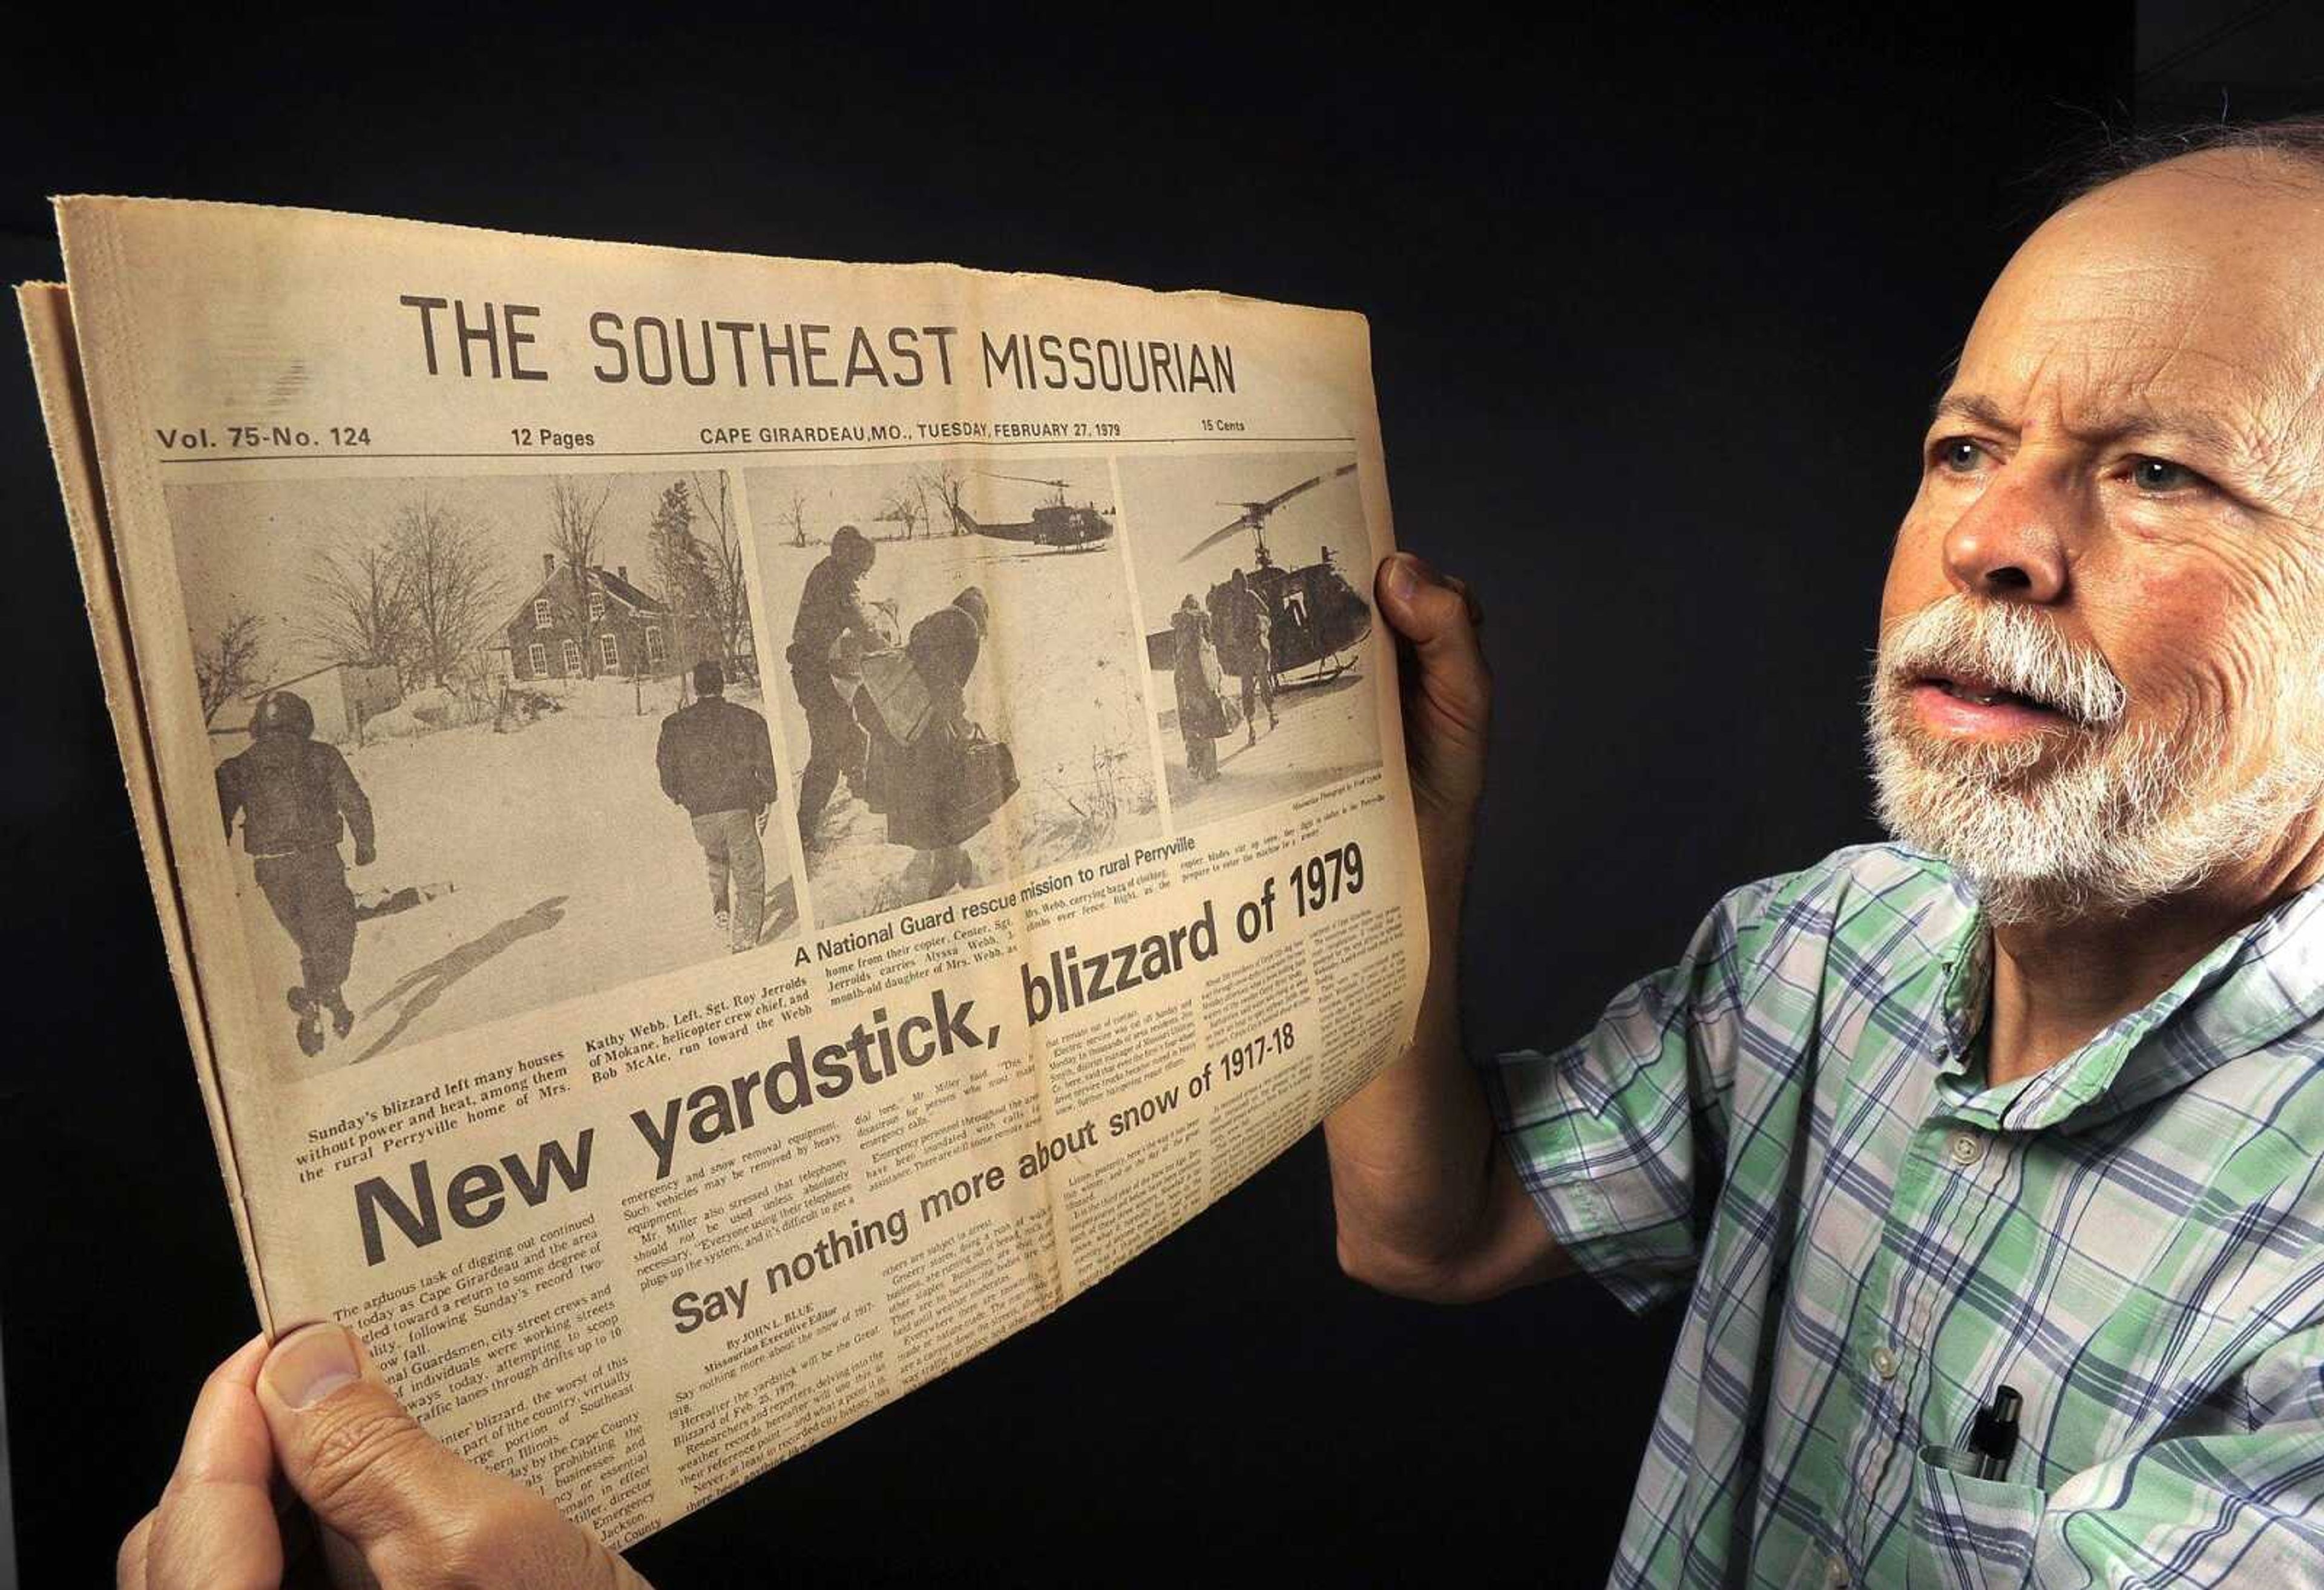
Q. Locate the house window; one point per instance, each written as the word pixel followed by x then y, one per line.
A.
pixel 653 646
pixel 536 659
pixel 572 659
pixel 596 605
pixel 609 654
pixel 541 617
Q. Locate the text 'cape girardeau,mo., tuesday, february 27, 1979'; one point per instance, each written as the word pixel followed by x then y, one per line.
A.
pixel 729 831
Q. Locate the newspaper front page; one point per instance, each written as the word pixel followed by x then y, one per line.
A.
pixel 730 830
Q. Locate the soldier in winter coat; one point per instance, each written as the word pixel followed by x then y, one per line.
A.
pixel 1247 645
pixel 830 608
pixel 296 797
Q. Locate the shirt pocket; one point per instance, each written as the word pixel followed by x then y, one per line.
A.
pixel 1969 1533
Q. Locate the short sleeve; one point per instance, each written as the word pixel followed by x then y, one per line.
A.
pixel 1619 1138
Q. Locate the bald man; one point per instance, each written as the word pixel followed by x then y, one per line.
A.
pixel 2029 1098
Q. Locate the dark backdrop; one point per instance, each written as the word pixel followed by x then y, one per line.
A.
pixel 1658 307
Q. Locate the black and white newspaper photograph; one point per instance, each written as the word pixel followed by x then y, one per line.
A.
pixel 483 744
pixel 964 700
pixel 696 723
pixel 1254 573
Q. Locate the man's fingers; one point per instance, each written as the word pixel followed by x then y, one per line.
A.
pixel 216 1524
pixel 226 1440
pixel 384 1490
pixel 129 1562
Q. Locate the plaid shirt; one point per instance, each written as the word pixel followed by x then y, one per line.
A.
pixel 1791 1128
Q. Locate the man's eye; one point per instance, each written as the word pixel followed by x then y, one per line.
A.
pixel 2162 476
pixel 1958 454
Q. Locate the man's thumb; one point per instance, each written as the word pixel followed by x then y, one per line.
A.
pixel 1436 615
pixel 357 1459
pixel 1438 618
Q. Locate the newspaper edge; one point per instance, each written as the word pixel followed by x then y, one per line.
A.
pixel 53 345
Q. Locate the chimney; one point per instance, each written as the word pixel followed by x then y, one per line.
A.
pixel 547 565
pixel 621 573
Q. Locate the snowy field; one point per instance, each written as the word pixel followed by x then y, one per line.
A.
pixel 1324 734
pixel 1059 678
pixel 571 874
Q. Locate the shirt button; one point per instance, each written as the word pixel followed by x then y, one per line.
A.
pixel 1835 1573
pixel 1883 1363
pixel 1965 1149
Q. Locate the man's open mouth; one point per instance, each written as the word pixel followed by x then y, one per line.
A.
pixel 1989 702
pixel 1986 695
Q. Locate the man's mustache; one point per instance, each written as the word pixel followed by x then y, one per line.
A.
pixel 2002 649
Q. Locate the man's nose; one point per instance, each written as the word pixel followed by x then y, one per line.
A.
pixel 2009 545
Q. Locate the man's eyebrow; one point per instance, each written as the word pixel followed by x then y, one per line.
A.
pixel 2203 429
pixel 1976 409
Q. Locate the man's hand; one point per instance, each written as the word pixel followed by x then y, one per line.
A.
pixel 395 1509
pixel 1428 1204
pixel 1447 704
pixel 366 853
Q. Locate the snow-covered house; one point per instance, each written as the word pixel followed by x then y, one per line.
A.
pixel 343 697
pixel 604 626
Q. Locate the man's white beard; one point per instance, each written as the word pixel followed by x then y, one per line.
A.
pixel 2119 819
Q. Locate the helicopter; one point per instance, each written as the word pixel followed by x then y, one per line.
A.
pixel 1317 618
pixel 1054 523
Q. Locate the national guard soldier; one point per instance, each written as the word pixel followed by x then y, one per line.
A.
pixel 1247 645
pixel 830 607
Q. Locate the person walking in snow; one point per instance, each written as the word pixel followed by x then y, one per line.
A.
pixel 296 795
pixel 934 801
pixel 716 761
pixel 1195 674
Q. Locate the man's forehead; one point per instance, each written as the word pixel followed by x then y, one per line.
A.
pixel 2165 297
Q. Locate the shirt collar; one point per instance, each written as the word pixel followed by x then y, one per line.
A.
pixel 2250 990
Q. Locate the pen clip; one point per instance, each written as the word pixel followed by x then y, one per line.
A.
pixel 1993 1433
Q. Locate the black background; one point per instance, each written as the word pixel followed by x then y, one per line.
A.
pixel 1658 304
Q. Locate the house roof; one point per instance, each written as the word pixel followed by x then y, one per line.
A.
pixel 612 584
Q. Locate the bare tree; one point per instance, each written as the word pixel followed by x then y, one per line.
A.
pixel 795 510
pixel 905 508
pixel 362 612
pixel 729 593
pixel 446 567
pixel 226 665
pixel 575 519
pixel 682 568
pixel 948 484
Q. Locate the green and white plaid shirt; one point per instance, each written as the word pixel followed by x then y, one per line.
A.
pixel 1791 1128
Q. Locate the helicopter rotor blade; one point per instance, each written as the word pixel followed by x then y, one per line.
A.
pixel 1232 527
pixel 1026 478
pixel 1272 503
pixel 1254 515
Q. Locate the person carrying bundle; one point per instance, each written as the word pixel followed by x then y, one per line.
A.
pixel 935 774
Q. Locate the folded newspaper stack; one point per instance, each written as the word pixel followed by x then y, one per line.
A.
pixel 729 831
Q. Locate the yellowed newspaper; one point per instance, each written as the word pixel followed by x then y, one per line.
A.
pixel 731 831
